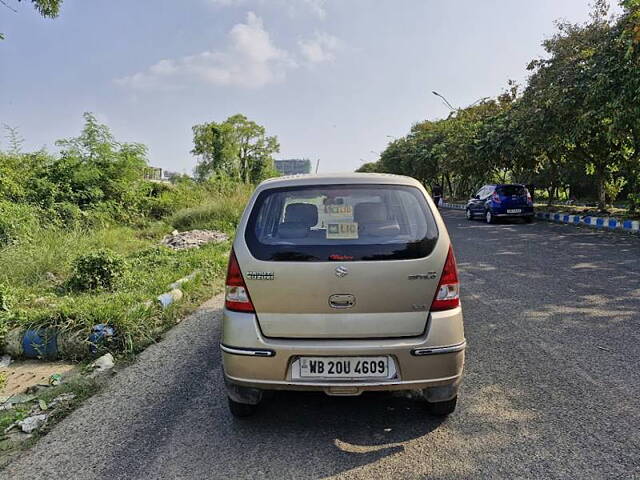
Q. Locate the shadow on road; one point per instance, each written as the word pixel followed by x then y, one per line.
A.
pixel 293 435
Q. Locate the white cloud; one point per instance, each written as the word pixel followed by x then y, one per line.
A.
pixel 251 60
pixel 321 48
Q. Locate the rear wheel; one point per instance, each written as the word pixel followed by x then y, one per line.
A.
pixel 469 214
pixel 241 410
pixel 489 217
pixel 442 409
pixel 528 219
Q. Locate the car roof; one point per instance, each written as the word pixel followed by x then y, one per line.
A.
pixel 337 179
pixel 504 185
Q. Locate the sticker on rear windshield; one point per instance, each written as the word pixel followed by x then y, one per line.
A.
pixel 342 231
pixel 339 210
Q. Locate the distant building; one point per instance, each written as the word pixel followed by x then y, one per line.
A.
pixel 152 173
pixel 293 166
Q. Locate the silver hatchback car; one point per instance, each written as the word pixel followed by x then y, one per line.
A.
pixel 342 284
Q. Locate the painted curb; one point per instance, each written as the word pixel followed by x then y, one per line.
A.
pixel 600 223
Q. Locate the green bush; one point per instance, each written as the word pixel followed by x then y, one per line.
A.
pixel 102 269
pixel 17 222
pixel 67 214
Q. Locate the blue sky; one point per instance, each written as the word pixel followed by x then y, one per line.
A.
pixel 333 79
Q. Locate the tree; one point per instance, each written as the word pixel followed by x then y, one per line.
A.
pixel 369 167
pixel 575 127
pixel 46 8
pixel 237 147
pixel 95 168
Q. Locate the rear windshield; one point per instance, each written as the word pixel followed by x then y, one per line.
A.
pixel 341 223
pixel 510 190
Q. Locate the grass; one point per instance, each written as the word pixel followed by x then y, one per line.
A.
pixel 36 272
pixel 221 213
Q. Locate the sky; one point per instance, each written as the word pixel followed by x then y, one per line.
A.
pixel 334 80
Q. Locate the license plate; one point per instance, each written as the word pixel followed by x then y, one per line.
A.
pixel 515 210
pixel 344 367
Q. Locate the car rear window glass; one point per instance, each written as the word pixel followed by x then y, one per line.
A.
pixel 341 223
pixel 510 190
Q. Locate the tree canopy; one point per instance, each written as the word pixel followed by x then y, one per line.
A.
pixel 575 125
pixel 46 8
pixel 91 170
pixel 238 148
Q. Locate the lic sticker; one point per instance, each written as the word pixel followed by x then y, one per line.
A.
pixel 342 231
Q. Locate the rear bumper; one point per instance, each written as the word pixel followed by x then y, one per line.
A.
pixel 523 214
pixel 434 360
pixel 502 212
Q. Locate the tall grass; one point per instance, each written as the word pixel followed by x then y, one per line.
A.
pixel 50 253
pixel 220 211
pixel 37 267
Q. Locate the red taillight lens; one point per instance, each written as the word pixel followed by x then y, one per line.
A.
pixel 529 199
pixel 496 197
pixel 448 293
pixel 236 293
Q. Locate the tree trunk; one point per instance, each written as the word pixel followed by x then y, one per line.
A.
pixel 602 192
pixel 449 184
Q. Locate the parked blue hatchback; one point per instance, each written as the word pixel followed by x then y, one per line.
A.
pixel 506 200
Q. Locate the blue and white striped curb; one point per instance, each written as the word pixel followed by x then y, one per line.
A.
pixel 603 223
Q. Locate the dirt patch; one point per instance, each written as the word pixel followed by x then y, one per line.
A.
pixel 22 375
pixel 193 239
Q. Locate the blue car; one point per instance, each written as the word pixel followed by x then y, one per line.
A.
pixel 506 200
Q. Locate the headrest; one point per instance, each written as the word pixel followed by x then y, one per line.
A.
pixel 301 213
pixel 370 212
pixel 293 230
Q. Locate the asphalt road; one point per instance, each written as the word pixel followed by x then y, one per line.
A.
pixel 552 387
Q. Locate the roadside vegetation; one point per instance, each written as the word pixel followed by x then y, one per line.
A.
pixel 80 231
pixel 573 131
pixel 81 250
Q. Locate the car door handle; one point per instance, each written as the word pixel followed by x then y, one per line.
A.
pixel 342 301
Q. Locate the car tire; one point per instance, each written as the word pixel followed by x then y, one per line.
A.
pixel 528 219
pixel 241 410
pixel 488 216
pixel 469 214
pixel 442 409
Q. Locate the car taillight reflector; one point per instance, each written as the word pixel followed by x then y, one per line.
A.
pixel 496 197
pixel 448 292
pixel 236 293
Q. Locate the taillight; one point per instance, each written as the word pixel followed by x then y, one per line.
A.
pixel 448 293
pixel 496 197
pixel 236 293
pixel 529 199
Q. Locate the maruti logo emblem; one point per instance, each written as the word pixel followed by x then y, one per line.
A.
pixel 342 271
